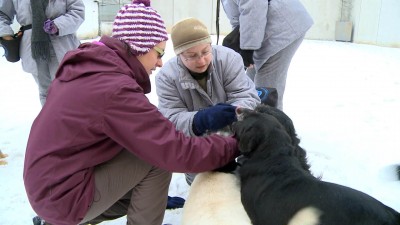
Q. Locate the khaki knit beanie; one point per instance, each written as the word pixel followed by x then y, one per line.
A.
pixel 188 33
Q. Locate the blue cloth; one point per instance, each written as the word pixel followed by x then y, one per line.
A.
pixel 175 202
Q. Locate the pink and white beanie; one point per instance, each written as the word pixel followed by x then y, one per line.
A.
pixel 140 26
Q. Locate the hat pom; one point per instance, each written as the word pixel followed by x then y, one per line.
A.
pixel 144 2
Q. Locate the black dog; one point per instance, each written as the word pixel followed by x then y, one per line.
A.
pixel 278 189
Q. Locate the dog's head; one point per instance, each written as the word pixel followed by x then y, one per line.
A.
pixel 288 124
pixel 250 117
pixel 283 119
pixel 258 132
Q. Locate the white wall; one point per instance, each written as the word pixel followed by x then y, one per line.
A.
pixel 377 22
pixel 325 15
pixel 374 21
pixel 90 27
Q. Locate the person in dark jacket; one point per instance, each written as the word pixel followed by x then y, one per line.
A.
pixel 99 150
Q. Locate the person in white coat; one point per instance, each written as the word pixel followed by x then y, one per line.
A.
pixel 199 78
pixel 270 34
pixel 49 32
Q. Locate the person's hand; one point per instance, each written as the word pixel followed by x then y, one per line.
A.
pixel 247 56
pixel 49 27
pixel 213 118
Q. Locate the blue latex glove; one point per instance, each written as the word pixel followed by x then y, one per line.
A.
pixel 213 118
pixel 49 27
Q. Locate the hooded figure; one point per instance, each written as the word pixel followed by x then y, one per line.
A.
pixel 99 150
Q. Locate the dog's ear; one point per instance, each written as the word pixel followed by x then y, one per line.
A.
pixel 283 119
pixel 249 141
pixel 247 135
pixel 242 112
pixel 288 125
pixel 302 156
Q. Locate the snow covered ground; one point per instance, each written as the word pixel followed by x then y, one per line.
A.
pixel 343 98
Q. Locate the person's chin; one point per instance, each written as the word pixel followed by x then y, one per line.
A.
pixel 201 69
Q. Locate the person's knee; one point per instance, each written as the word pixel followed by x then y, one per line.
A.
pixel 166 175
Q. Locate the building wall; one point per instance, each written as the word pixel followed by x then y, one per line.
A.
pixel 90 27
pixel 374 21
pixel 377 22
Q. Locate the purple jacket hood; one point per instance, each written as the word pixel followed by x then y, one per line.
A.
pixel 80 62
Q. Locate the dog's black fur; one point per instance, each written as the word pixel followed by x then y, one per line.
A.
pixel 275 184
pixel 287 123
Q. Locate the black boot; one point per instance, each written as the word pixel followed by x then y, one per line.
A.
pixel 39 221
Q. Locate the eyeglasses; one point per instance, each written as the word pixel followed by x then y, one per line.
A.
pixel 195 57
pixel 159 51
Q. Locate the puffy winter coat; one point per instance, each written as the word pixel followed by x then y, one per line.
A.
pixel 68 15
pixel 95 108
pixel 180 96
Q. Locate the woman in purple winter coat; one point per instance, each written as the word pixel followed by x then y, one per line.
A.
pixel 99 149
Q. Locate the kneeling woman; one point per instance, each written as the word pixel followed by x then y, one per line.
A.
pixel 99 149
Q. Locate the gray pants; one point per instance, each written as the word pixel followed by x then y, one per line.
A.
pixel 46 74
pixel 129 186
pixel 273 72
pixel 190 177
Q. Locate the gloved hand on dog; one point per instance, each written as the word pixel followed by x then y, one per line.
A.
pixel 247 56
pixel 49 27
pixel 213 118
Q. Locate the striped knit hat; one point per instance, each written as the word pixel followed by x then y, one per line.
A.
pixel 140 26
